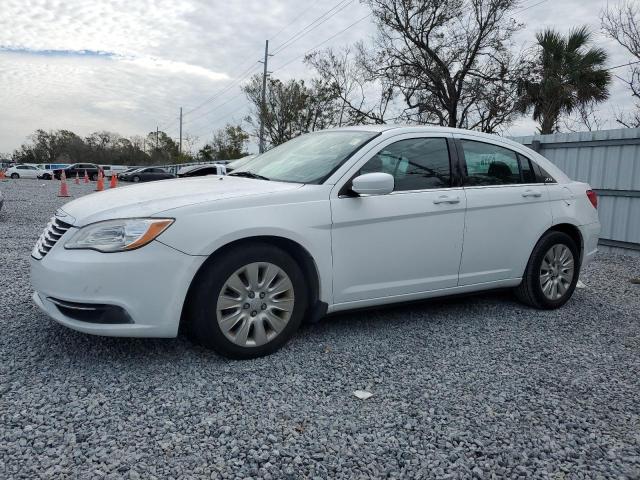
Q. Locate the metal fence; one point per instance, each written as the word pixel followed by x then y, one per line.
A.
pixel 609 160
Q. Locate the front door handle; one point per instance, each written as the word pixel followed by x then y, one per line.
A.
pixel 531 193
pixel 446 199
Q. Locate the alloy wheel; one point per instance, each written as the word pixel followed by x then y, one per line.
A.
pixel 556 271
pixel 255 304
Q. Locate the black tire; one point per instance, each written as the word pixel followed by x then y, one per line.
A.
pixel 201 319
pixel 530 291
pixel 135 179
pixel 15 176
pixel 94 177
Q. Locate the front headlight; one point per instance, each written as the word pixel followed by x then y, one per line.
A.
pixel 118 235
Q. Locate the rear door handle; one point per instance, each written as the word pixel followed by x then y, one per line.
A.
pixel 531 193
pixel 446 199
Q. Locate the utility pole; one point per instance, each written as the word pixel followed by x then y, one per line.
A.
pixel 263 101
pixel 156 137
pixel 180 150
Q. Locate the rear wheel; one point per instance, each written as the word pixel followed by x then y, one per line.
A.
pixel 552 272
pixel 247 303
pixel 94 177
pixel 15 176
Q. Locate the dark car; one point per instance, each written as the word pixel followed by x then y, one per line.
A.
pixel 78 169
pixel 145 174
pixel 200 170
pixel 127 171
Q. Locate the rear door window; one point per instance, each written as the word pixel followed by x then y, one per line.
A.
pixel 489 164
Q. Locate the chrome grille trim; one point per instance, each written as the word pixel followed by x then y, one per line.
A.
pixel 54 230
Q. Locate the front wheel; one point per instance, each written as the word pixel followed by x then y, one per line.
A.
pixel 15 176
pixel 552 272
pixel 136 179
pixel 247 303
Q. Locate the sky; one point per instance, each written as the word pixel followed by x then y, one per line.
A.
pixel 127 66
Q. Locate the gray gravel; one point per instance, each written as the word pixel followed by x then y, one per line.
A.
pixel 474 387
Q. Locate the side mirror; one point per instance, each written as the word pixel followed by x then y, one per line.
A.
pixel 377 183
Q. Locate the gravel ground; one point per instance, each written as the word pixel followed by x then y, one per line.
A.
pixel 473 387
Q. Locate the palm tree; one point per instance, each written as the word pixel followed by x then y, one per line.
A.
pixel 567 75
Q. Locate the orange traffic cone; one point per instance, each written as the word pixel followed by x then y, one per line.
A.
pixel 77 180
pixel 64 192
pixel 1 174
pixel 114 181
pixel 86 177
pixel 100 182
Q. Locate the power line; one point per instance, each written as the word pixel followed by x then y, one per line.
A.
pixel 323 42
pixel 292 21
pixel 341 5
pixel 237 80
pixel 291 40
pixel 229 100
pixel 222 117
pixel 530 6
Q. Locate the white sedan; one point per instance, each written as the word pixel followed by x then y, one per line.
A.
pixel 330 221
pixel 23 171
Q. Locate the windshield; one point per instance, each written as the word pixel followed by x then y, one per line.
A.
pixel 308 158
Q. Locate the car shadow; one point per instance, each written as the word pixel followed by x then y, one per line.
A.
pixel 70 345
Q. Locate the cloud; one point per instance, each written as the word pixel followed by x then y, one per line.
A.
pixel 128 66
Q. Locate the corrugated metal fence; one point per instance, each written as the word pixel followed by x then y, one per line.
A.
pixel 609 160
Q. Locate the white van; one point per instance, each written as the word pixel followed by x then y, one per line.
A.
pixel 110 170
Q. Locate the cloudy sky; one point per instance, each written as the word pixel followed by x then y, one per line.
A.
pixel 127 66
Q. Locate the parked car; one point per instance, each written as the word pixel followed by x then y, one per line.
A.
pixel 330 221
pixel 52 166
pixel 202 170
pixel 128 170
pixel 145 174
pixel 78 169
pixel 23 171
pixel 111 170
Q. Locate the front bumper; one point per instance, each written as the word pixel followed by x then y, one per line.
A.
pixel 150 284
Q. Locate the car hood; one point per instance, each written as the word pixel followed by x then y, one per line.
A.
pixel 151 198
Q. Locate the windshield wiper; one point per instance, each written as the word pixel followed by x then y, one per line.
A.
pixel 248 175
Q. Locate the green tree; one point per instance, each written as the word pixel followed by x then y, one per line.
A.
pixel 292 108
pixel 568 74
pixel 206 153
pixel 164 149
pixel 229 143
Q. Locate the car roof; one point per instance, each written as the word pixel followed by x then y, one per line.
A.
pixel 407 128
pixel 398 129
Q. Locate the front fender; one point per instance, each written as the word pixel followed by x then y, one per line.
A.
pixel 307 224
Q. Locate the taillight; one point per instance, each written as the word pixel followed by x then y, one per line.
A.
pixel 593 198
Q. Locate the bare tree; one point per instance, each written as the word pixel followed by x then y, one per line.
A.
pixel 292 108
pixel 189 144
pixel 450 60
pixel 621 23
pixel 363 99
pixel 584 118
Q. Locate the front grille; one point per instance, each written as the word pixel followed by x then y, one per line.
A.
pixel 52 233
